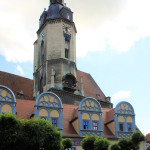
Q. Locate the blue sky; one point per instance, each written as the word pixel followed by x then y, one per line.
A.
pixel 112 45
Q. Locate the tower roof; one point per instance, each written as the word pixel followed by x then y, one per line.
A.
pixel 57 9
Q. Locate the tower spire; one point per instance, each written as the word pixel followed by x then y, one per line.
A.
pixel 57 1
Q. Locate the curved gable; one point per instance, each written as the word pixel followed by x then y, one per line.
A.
pixel 7 100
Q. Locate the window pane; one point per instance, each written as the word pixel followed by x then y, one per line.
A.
pixel 121 126
pixel 95 125
pixel 54 122
pixel 85 125
pixel 129 127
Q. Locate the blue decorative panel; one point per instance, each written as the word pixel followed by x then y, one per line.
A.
pixel 90 117
pixel 7 99
pixel 50 102
pixel 124 120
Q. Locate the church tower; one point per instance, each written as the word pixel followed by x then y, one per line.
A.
pixel 55 50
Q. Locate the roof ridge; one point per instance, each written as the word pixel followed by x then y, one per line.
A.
pixel 83 72
pixel 15 75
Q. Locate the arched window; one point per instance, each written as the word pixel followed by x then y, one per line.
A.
pixel 49 106
pixel 7 100
pixel 90 117
pixel 124 120
pixel 41 85
pixel 42 52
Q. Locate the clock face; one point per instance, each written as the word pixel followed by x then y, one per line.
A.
pixel 67 29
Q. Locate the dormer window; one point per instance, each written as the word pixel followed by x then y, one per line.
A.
pixel 49 106
pixel 8 100
pixel 124 120
pixel 90 117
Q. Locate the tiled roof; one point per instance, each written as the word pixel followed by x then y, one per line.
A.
pixel 106 132
pixel 91 89
pixel 25 108
pixel 68 115
pixel 110 115
pixel 17 84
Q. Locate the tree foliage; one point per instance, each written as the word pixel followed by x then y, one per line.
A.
pixel 129 144
pixel 67 143
pixel 32 134
pixel 10 132
pixel 88 142
pixel 95 143
pixel 136 138
pixel 115 146
pixel 101 144
pixel 125 144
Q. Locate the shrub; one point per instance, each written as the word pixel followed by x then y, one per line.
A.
pixel 88 142
pixel 67 143
pixel 101 144
pixel 115 146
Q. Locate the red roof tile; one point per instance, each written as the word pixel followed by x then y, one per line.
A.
pixel 17 84
pixel 68 115
pixel 106 132
pixel 25 108
pixel 91 89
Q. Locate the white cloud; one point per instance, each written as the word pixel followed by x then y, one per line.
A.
pixel 118 24
pixel 121 96
pixel 20 70
pixel 100 23
pixel 18 28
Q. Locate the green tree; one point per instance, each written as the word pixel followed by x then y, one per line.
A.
pixel 67 143
pixel 88 142
pixel 125 144
pixel 39 133
pixel 115 146
pixel 28 135
pixel 101 144
pixel 136 138
pixel 10 132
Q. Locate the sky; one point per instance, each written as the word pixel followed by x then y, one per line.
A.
pixel 113 45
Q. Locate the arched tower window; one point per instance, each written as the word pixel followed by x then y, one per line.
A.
pixel 7 100
pixel 42 52
pixel 41 84
pixel 90 117
pixel 49 106
pixel 124 120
